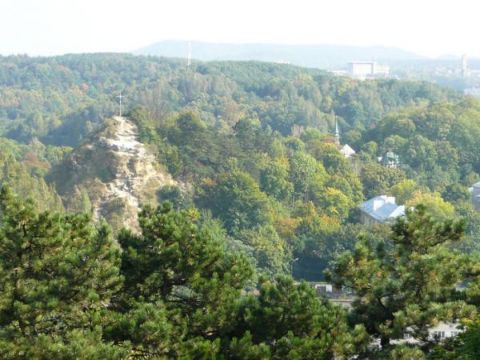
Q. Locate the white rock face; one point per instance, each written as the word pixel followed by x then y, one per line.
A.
pixel 118 172
pixel 136 168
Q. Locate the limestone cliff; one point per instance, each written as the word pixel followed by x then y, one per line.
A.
pixel 113 173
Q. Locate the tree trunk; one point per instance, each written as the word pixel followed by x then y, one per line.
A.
pixel 384 342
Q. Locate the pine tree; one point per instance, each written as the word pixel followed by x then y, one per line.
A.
pixel 178 273
pixel 287 320
pixel 57 276
pixel 405 286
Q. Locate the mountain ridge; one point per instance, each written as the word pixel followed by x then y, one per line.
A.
pixel 308 55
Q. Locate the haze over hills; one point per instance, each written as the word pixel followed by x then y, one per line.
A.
pixel 318 56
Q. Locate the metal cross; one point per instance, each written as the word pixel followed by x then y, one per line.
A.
pixel 120 98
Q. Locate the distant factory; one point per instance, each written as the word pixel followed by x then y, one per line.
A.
pixel 368 70
pixel 363 70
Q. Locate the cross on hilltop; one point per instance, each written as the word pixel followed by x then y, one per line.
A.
pixel 120 98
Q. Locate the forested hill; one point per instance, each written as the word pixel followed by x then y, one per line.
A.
pixel 252 142
pixel 60 99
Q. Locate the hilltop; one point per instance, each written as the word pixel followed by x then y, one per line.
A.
pixel 115 171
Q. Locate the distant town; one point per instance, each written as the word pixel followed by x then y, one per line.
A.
pixel 458 74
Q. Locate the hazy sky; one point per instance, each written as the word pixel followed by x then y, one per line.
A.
pixel 61 26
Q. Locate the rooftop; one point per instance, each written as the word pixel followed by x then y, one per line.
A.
pixel 383 208
pixel 347 151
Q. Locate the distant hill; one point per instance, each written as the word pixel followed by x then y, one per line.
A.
pixel 317 56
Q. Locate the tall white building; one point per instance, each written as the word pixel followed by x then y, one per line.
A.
pixel 475 191
pixel 464 65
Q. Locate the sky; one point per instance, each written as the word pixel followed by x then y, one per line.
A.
pixel 52 27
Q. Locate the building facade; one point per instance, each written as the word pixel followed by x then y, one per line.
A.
pixel 368 70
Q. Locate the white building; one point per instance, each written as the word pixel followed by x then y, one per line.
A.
pixel 472 91
pixel 439 332
pixel 347 151
pixel 339 72
pixel 475 191
pixel 380 209
pixel 367 70
pixel 464 66
pixel 445 330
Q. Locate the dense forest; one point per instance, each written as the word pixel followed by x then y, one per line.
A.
pixel 267 197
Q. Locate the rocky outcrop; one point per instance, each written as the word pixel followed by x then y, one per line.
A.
pixel 116 170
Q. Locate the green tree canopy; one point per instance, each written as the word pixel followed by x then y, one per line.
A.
pixel 408 284
pixel 57 275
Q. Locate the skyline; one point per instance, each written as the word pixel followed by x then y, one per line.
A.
pixel 54 27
